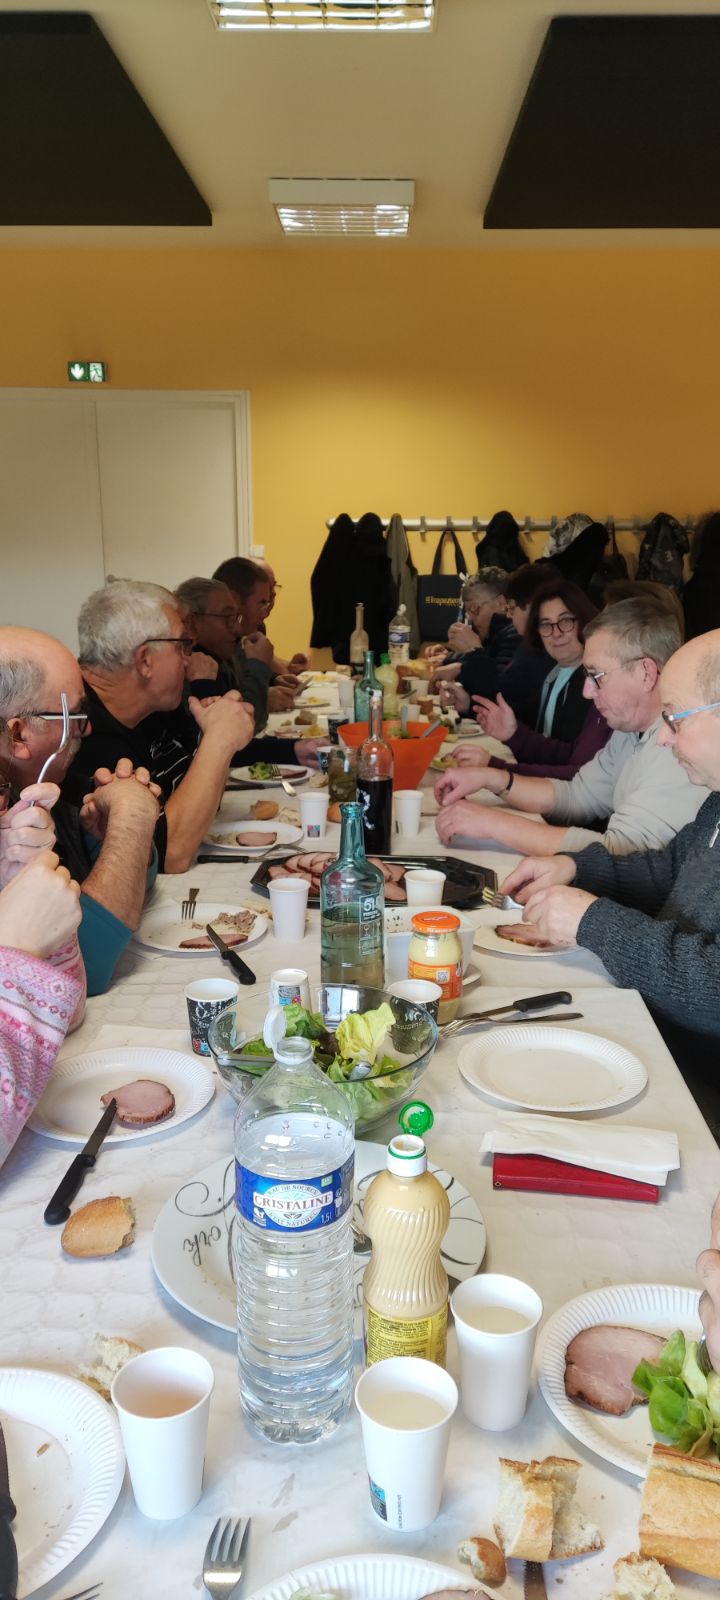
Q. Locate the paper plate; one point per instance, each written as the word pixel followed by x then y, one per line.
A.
pixel 192 1238
pixel 222 836
pixel 655 1308
pixel 162 927
pixel 541 1068
pixel 292 774
pixel 369 1578
pixel 70 1106
pixel 487 939
pixel 66 1466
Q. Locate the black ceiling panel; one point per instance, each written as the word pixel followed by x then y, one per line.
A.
pixel 620 128
pixel 77 143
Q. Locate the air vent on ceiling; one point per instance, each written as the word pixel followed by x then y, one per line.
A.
pixel 361 15
pixel 343 207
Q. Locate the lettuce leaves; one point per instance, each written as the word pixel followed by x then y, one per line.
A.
pixel 684 1404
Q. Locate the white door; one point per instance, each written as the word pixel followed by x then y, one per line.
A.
pixel 138 485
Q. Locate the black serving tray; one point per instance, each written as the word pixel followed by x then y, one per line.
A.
pixel 464 881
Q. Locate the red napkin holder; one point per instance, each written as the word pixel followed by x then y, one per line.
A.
pixel 548 1176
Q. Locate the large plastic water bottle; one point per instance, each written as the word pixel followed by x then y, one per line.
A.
pixel 399 638
pixel 294 1161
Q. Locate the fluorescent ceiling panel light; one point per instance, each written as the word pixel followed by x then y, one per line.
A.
pixel 325 15
pixel 343 207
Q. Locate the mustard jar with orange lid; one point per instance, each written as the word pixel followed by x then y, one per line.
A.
pixel 436 954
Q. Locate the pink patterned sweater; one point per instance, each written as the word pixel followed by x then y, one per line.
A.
pixel 39 1002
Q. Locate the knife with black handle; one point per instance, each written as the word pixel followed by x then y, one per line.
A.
pixel 58 1209
pixel 8 1548
pixel 234 961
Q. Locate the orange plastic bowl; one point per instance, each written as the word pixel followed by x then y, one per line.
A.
pixel 411 756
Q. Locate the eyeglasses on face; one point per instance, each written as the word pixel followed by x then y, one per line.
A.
pixel 564 624
pixel 187 645
pixel 224 616
pixel 81 719
pixel 671 718
pixel 597 677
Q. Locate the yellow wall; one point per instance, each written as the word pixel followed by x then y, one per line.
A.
pixel 424 382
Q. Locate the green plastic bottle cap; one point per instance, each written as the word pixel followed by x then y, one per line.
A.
pixel 416 1117
pixel 274 1026
pixel 385 660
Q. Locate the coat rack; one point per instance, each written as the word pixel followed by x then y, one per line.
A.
pixel 478 525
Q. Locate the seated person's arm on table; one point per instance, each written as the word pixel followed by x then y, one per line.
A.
pixel 226 726
pixel 642 879
pixel 591 793
pixel 668 963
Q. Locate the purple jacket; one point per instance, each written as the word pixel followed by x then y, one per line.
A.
pixel 541 756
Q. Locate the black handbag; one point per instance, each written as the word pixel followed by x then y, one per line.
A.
pixel 438 593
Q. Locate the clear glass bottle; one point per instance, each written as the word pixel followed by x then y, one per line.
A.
pixel 358 639
pixel 352 910
pixel 387 678
pixel 364 688
pixel 399 638
pixel 375 783
pixel 294 1163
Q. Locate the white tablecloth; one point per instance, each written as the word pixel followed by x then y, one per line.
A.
pixel 310 1503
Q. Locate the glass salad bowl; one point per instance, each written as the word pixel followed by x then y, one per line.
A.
pixel 409 1041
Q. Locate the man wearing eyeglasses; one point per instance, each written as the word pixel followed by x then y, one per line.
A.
pixel 106 841
pixel 654 918
pixel 253 586
pixel 632 788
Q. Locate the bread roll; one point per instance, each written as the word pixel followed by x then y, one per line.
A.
pixel 334 812
pixel 485 1558
pixel 264 810
pixel 109 1355
pixel 100 1228
pixel 680 1513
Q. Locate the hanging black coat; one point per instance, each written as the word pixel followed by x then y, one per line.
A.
pixel 501 546
pixel 353 566
pixel 333 604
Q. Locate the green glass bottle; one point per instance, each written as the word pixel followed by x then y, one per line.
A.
pixel 352 910
pixel 364 688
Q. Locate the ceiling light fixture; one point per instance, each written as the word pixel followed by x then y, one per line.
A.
pixel 361 15
pixel 343 207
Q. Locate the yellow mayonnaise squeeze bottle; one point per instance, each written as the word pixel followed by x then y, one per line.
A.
pixel 405 1288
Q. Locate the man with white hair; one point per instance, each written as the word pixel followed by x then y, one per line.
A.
pixel 653 917
pixel 107 843
pixel 132 650
pixel 632 787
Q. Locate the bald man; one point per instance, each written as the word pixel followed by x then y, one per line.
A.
pixel 654 917
pixel 108 844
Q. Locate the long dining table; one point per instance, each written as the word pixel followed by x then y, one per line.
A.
pixel 311 1503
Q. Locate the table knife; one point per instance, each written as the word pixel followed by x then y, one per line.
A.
pixel 234 961
pixel 58 1209
pixel 531 1002
pixel 8 1548
pixel 534 1582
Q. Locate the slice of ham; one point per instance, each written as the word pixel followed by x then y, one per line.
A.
pixel 522 933
pixel 141 1102
pixel 255 840
pixel 600 1362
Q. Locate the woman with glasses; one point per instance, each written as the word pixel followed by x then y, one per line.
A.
pixel 569 729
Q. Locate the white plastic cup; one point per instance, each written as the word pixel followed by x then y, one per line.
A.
pixel 424 886
pixel 414 713
pixel 289 986
pixel 205 1000
pixel 419 991
pixel 313 813
pixel 408 810
pixel 406 1464
pixel 346 694
pixel 288 901
pixel 162 1399
pixel 495 1367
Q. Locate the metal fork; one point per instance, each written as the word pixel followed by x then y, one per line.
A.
pixel 473 1018
pixel 224 1559
pixel 64 742
pixel 87 1594
pixel 500 902
pixel 187 909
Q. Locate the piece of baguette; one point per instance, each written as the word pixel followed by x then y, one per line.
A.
pixel 100 1228
pixel 680 1513
pixel 537 1518
pixel 485 1558
pixel 109 1355
pixel 641 1578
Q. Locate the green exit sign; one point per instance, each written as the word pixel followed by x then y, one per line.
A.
pixel 87 372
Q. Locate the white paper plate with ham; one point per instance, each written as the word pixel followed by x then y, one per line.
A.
pixel 162 928
pixel 249 838
pixel 72 1103
pixel 517 938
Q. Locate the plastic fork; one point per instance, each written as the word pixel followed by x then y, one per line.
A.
pixel 500 902
pixel 224 1559
pixel 187 909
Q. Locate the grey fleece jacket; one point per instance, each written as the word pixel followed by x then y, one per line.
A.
pixel 634 784
pixel 657 929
